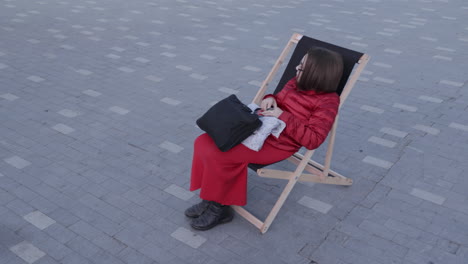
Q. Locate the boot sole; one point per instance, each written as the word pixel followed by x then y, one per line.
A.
pixel 222 221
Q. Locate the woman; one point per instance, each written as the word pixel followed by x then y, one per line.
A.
pixel 308 104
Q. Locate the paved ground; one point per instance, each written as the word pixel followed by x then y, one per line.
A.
pixel 98 103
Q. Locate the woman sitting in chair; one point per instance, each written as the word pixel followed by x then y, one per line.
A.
pixel 308 104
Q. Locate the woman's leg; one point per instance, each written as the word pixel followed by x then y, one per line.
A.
pixel 222 176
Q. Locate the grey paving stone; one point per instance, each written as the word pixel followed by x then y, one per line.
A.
pixel 168 54
pixel 114 186
pixel 427 196
pixel 54 249
pixel 83 246
pixel 459 126
pixel 43 205
pixel 207 57
pixel 171 50
pixel 170 101
pixel 183 67
pixel 118 49
pixel 451 83
pixel 165 240
pixel 429 130
pixel 6 197
pixel 430 99
pixel 251 68
pixel 68 113
pixel 447 245
pixel 402 228
pixel 138 227
pixel 117 201
pixel 153 78
pixel 94 189
pixel 142 60
pixel 405 107
pixel 188 254
pixel 84 229
pixel 64 129
pixel 9 97
pixel 136 197
pixel 92 93
pixel 47 260
pixel 372 109
pixel 17 162
pixel 174 148
pixel 106 225
pixel 179 192
pixel 198 76
pixel 27 251
pixel 188 237
pixel 131 239
pixel 109 244
pixel 403 197
pixel 393 51
pixel 113 56
pixel 32 234
pixel 156 253
pixel 393 132
pixel 377 229
pixel 366 249
pixel 228 90
pixel 130 256
pixel 39 220
pixel 105 258
pixel 60 233
pixel 84 72
pixel 8 237
pixel 315 204
pixel 378 162
pixel 119 110
pixel 324 255
pixel 75 258
pixel 237 246
pixel 217 252
pixel 103 208
pixel 19 207
pixel 382 142
pixel 35 78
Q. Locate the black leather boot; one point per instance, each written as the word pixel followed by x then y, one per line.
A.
pixel 198 209
pixel 215 214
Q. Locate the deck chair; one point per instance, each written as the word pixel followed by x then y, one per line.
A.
pixel 317 173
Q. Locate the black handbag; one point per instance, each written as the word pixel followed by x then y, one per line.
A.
pixel 229 122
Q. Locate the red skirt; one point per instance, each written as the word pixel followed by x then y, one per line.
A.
pixel 222 176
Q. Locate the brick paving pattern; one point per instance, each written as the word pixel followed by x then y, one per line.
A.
pixel 98 105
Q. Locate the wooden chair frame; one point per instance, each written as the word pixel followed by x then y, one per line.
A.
pixel 317 173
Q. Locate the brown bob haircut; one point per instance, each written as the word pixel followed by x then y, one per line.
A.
pixel 322 71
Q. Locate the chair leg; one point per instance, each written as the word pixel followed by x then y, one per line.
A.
pixel 293 178
pixel 313 167
pixel 248 216
pixel 264 226
pixel 285 175
pixel 279 203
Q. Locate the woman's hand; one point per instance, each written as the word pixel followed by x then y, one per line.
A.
pixel 276 112
pixel 268 103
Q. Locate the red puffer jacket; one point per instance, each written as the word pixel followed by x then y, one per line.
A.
pixel 308 115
